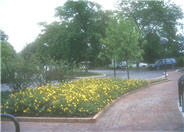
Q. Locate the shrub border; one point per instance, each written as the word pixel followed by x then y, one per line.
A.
pixel 86 119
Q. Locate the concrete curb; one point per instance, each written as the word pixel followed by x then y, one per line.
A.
pixel 83 120
pixel 56 119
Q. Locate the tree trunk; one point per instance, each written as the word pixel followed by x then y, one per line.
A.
pixel 137 64
pixel 86 67
pixel 114 68
pixel 127 68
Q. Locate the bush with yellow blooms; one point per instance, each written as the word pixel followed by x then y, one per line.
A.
pixel 80 98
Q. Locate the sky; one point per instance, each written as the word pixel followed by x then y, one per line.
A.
pixel 19 18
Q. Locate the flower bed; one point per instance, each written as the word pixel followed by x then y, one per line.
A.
pixel 79 98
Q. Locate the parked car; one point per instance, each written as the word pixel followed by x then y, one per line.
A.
pixel 169 62
pixel 141 64
pixel 122 65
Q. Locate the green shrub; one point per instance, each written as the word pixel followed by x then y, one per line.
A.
pixel 180 61
pixel 4 96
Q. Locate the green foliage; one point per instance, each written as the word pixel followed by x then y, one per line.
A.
pixel 4 96
pixel 153 50
pixel 76 36
pixel 180 61
pixel 22 70
pixel 8 56
pixel 180 43
pixel 155 16
pixel 51 43
pixel 77 98
pixel 121 41
pixel 152 16
pixel 24 73
pixel 16 70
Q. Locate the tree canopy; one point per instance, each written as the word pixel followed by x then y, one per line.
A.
pixel 155 16
pixel 83 21
pixel 8 56
pixel 121 41
pixel 76 36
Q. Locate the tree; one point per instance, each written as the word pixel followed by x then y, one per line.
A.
pixel 8 56
pixel 52 42
pixel 17 71
pixel 153 50
pixel 8 62
pixel 181 43
pixel 152 17
pixel 76 37
pixel 121 42
pixel 84 22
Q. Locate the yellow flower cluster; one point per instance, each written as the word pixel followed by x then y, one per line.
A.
pixel 76 98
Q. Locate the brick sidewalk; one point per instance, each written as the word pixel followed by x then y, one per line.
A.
pixel 152 109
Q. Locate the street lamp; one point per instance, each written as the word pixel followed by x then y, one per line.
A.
pixel 164 42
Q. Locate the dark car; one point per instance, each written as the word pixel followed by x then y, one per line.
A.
pixel 168 62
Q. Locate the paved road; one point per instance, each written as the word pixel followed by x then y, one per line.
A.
pixel 134 74
pixel 151 109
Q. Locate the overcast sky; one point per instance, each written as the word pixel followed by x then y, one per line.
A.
pixel 19 18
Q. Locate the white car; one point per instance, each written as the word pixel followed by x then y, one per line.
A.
pixel 141 64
